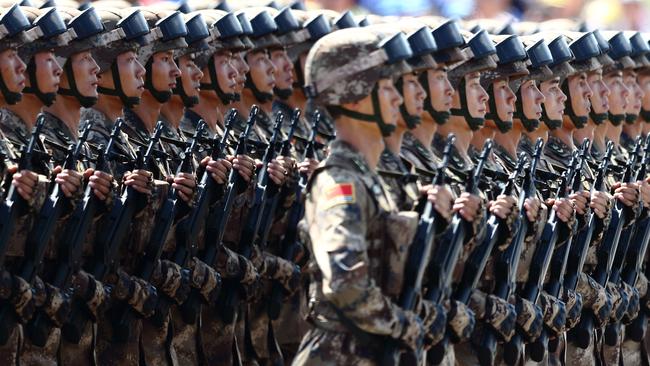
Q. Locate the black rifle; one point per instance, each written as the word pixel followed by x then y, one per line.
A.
pixel 505 267
pixel 264 188
pixel 70 248
pixel 420 254
pixel 626 255
pixel 621 216
pixel 107 247
pixel 549 255
pixel 215 226
pixel 14 204
pixel 289 243
pixel 171 209
pixel 55 206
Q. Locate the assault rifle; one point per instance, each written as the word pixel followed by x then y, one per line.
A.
pixel 118 224
pixel 621 215
pixel 55 206
pixel 420 254
pixel 216 226
pixel 506 265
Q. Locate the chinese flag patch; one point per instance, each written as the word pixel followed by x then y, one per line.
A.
pixel 339 194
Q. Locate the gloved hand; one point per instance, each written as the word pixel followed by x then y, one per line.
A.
pixel 632 305
pixel 529 318
pixel 595 298
pixel 496 312
pixel 57 305
pixel 412 331
pixel 172 280
pixel 281 270
pixel 620 301
pixel 555 313
pixel 206 280
pixel 91 291
pixel 461 321
pixel 434 319
pixel 573 302
pixel 22 299
pixel 141 295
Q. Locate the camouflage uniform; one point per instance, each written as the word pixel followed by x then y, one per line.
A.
pixel 353 276
pixel 399 181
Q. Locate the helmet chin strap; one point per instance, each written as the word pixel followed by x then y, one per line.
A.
pixel 410 120
pixel 85 101
pixel 262 97
pixel 474 123
pixel 376 117
pixel 493 114
pixel 283 93
pixel 631 118
pixel 530 124
pixel 188 101
pixel 225 98
pixel 9 96
pixel 645 114
pixel 46 98
pixel 578 121
pixel 616 119
pixel 160 96
pixel 438 116
pixel 598 118
pixel 129 102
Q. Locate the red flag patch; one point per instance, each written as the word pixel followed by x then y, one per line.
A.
pixel 340 194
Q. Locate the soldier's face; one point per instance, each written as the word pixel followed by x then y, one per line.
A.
pixel 554 98
pixel 504 99
pixel 599 100
pixel 48 72
pixel 190 75
pixel 131 74
pixel 164 71
pixel 644 83
pixel 283 69
pixel 84 69
pixel 531 99
pixel 12 70
pixel 239 62
pixel 636 94
pixel 389 100
pixel 618 92
pixel 261 71
pixel 477 97
pixel 440 90
pixel 413 95
pixel 226 72
pixel 580 94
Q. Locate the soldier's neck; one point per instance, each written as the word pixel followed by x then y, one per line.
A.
pixel 614 133
pixel 458 126
pixel 509 141
pixel 173 111
pixel 586 132
pixel 540 132
pixel 599 136
pixel 249 99
pixel 394 141
pixel 148 111
pixel 27 109
pixel 242 108
pixel 645 127
pixel 424 132
pixel 109 105
pixel 363 137
pixel 563 134
pixel 632 130
pixel 297 100
pixel 206 108
pixel 479 137
pixel 68 110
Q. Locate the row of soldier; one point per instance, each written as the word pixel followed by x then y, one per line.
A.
pixel 151 216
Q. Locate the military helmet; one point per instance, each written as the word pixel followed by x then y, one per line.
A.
pixel 492 26
pixel 15 28
pixel 89 30
pixel 55 33
pixel 315 26
pixel 260 27
pixel 619 51
pixel 480 56
pixel 449 41
pixel 640 49
pixel 512 58
pixel 290 30
pixel 603 58
pixel 585 50
pixel 172 29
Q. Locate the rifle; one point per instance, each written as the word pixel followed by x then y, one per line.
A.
pixel 70 249
pixel 55 206
pixel 547 255
pixel 107 247
pixel 264 188
pixel 215 226
pixel 420 254
pixel 289 243
pixel 506 265
pixel 621 216
pixel 631 256
pixel 165 217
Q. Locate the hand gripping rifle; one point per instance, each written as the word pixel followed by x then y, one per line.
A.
pixel 636 256
pixel 70 249
pixel 14 204
pixel 507 262
pixel 621 215
pixel 216 223
pixel 118 224
pixel 447 253
pixel 625 254
pixel 55 206
pixel 420 254
pixel 551 253
pixel 165 217
pixel 289 243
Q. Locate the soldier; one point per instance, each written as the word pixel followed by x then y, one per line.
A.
pixel 351 299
